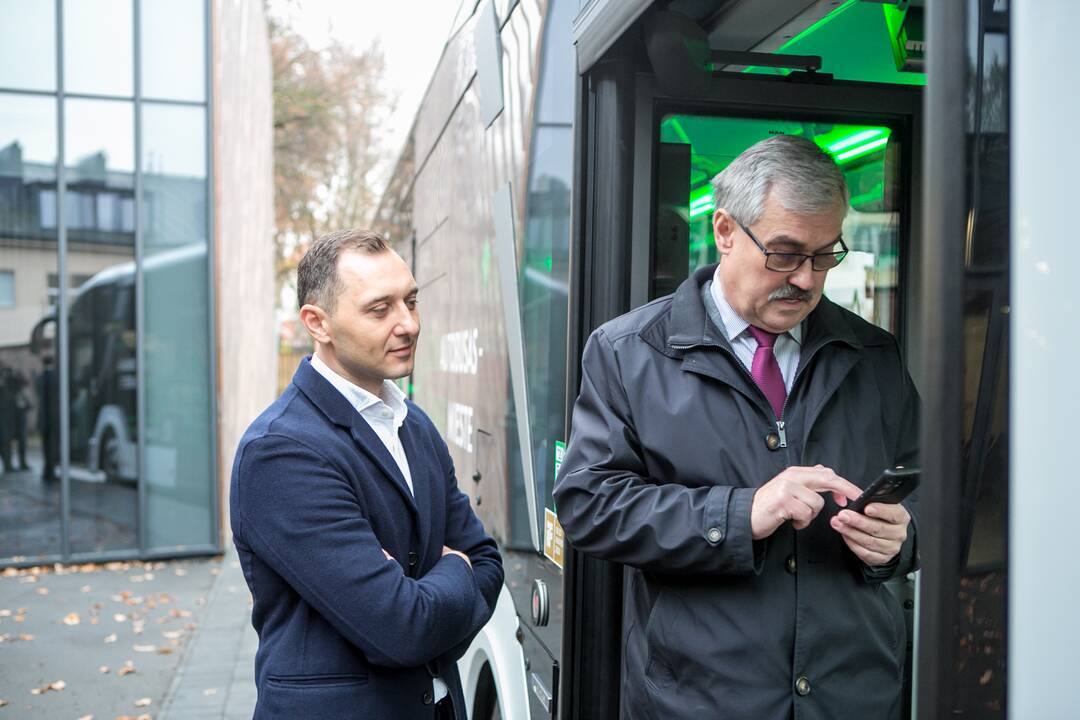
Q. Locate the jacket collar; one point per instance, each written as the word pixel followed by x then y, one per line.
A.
pixel 341 412
pixel 689 326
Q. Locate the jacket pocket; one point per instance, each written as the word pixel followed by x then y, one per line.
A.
pixel 658 671
pixel 891 606
pixel 317 696
pixel 308 681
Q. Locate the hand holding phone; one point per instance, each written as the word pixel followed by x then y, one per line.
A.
pixel 892 486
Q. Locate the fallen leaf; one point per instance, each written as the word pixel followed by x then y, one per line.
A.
pixel 118 617
pixel 110 638
pixel 85 589
pixel 172 634
pixel 127 669
pixel 104 669
pixel 209 691
pixel 145 648
pixel 3 702
pixel 93 621
pixel 87 717
pixel 58 685
pixel 20 617
pixel 71 619
pixel 26 637
pixel 180 572
pixel 5 613
pixel 42 591
pixel 142 702
pixel 164 651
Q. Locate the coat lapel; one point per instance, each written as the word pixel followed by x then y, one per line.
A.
pixel 338 410
pixel 368 441
pixel 422 465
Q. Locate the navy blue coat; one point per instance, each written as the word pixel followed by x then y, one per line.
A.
pixel 344 632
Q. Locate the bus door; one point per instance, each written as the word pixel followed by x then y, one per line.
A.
pixel 651 136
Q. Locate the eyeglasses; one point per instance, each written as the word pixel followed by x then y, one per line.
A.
pixel 790 262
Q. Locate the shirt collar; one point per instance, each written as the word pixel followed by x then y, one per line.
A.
pixel 390 395
pixel 734 325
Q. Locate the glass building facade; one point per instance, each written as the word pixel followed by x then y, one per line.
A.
pixel 107 405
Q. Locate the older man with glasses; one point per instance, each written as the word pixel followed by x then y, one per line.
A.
pixel 718 435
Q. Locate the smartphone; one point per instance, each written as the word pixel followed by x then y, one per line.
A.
pixel 892 486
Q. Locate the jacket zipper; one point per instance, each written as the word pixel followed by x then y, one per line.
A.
pixel 781 425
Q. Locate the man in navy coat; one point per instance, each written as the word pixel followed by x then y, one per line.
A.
pixel 369 571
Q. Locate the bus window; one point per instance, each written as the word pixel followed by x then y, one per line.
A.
pixel 694 148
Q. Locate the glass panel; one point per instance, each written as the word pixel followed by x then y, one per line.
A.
pixel 98 42
pixel 544 276
pixel 99 143
pixel 173 49
pixel 178 462
pixel 694 148
pixel 982 520
pixel 544 281
pixel 29 403
pixel 28 45
pixel 556 96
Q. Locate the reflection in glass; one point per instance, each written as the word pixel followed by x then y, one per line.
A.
pixel 98 42
pixel 178 462
pixel 173 50
pixel 29 404
pixel 980 641
pixel 543 281
pixel 28 45
pixel 102 362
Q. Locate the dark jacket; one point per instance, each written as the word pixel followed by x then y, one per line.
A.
pixel 670 439
pixel 344 632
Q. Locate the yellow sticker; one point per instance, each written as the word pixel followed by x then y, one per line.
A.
pixel 554 539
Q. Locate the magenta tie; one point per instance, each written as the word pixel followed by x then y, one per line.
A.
pixel 766 370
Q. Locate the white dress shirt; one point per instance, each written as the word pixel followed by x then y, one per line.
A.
pixel 787 347
pixel 384 413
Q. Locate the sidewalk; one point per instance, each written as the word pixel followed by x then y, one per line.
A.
pixel 137 640
pixel 216 678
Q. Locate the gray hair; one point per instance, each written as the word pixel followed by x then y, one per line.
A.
pixel 804 178
pixel 317 279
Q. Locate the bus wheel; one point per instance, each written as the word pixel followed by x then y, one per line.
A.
pixel 486 704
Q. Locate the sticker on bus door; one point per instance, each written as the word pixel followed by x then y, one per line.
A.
pixel 553 532
pixel 553 537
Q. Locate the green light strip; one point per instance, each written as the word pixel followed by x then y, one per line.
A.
pixel 701 209
pixel 811 29
pixel 861 150
pixel 855 139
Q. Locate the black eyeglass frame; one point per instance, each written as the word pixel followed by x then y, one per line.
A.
pixel 837 257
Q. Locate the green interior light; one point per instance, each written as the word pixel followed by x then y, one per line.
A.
pixel 861 150
pixel 855 139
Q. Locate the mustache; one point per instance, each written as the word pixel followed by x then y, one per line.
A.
pixel 791 292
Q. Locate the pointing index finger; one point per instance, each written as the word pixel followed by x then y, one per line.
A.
pixel 827 480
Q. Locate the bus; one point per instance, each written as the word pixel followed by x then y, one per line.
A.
pixel 557 175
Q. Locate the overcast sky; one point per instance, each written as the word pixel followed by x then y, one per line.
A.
pixel 412 34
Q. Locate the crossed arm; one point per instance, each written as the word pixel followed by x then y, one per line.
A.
pixel 325 548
